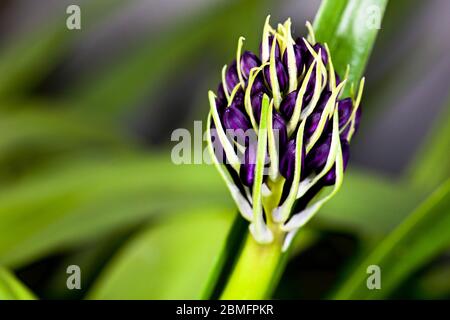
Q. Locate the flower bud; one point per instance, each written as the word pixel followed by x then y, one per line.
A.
pixel 282 76
pixel 247 169
pixel 231 77
pixel 288 104
pixel 249 61
pixel 289 161
pixel 330 177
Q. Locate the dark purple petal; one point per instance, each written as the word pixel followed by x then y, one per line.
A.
pixel 309 92
pixel 217 145
pixel 356 124
pixel 279 127
pixel 345 111
pixel 234 119
pixel 256 105
pixel 220 106
pixel 323 51
pixel 238 100
pixel 258 85
pixel 281 75
pixel 248 61
pixel 288 104
pixel 277 48
pixel 317 157
pixel 287 162
pixel 247 169
pixel 330 177
pixel 298 53
pixel 221 92
pixel 311 124
pixel 313 120
pixel 231 76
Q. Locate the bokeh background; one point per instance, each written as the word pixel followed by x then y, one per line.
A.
pixel 86 118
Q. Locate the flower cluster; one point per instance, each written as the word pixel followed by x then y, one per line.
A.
pixel 288 100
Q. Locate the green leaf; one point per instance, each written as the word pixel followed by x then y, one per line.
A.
pixel 431 166
pixel 79 201
pixel 11 288
pixel 60 130
pixel 346 26
pixel 175 259
pixel 420 237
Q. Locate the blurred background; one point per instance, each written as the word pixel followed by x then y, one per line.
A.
pixel 85 123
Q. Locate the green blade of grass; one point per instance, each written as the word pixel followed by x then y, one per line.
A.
pixel 420 237
pixel 11 288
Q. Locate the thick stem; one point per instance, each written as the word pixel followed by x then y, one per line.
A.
pixel 257 270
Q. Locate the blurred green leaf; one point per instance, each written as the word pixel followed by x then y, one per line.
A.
pixel 349 28
pixel 360 201
pixel 109 95
pixel 42 128
pixel 82 200
pixel 175 259
pixel 79 200
pixel 431 166
pixel 420 237
pixel 11 288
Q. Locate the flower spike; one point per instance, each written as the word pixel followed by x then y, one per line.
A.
pixel 290 131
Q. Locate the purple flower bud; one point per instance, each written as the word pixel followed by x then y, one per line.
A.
pixel 310 88
pixel 287 163
pixel 281 75
pixel 221 100
pixel 311 124
pixel 318 155
pixel 258 85
pixel 231 77
pixel 279 127
pixel 220 105
pixel 298 53
pixel 277 48
pixel 357 120
pixel 238 100
pixel 345 111
pixel 313 120
pixel 235 119
pixel 256 102
pixel 248 61
pixel 288 104
pixel 323 52
pixel 247 169
pixel 330 177
pixel 221 92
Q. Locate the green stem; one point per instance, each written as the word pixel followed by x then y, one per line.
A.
pixel 257 270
